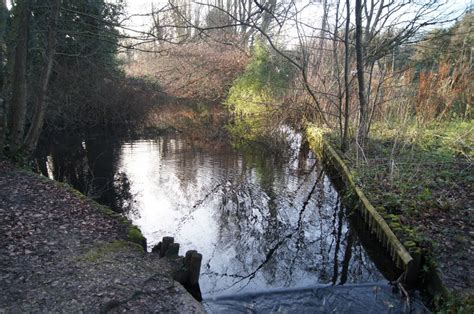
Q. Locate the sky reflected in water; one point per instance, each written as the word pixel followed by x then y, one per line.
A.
pixel 260 222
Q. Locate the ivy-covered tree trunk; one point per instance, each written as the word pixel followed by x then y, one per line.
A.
pixel 19 83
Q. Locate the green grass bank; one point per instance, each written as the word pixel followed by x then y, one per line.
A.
pixel 419 178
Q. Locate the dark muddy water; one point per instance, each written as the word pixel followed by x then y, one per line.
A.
pixel 273 233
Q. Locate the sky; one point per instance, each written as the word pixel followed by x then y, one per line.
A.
pixel 140 23
pixel 145 6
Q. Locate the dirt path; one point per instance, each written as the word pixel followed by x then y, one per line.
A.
pixel 61 252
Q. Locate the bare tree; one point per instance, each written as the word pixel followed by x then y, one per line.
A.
pixel 360 64
pixel 340 58
pixel 345 133
pixel 379 27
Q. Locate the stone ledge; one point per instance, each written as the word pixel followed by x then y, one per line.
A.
pixel 376 223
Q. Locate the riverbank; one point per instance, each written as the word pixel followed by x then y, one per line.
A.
pixel 419 178
pixel 60 252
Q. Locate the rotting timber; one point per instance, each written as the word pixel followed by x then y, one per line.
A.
pixel 188 273
pixel 408 261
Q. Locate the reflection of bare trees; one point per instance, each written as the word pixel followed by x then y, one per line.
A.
pixel 284 233
pixel 190 213
pixel 278 220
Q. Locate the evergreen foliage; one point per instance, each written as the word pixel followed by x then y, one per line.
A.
pixel 259 90
pixel 86 60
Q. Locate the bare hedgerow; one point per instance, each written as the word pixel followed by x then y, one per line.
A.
pixel 193 71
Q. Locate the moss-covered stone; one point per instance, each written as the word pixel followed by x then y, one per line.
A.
pixel 135 235
pixel 395 225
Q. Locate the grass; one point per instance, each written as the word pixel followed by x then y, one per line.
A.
pixel 416 167
pixel 135 235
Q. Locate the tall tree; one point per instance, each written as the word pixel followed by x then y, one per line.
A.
pixel 3 59
pixel 40 101
pixel 60 51
pixel 19 82
pixel 345 132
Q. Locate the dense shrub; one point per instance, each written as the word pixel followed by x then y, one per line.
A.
pixel 258 92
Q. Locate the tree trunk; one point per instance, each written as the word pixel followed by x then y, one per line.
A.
pixel 3 125
pixel 19 92
pixel 360 64
pixel 3 44
pixel 345 134
pixel 267 15
pixel 40 101
pixel 3 53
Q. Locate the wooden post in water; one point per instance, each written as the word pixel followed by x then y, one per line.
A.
pixel 188 273
pixel 194 267
pixel 165 243
pixel 173 250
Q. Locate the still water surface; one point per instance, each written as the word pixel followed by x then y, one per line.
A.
pixel 259 222
pixel 262 223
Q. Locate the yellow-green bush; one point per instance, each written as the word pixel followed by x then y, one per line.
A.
pixel 257 92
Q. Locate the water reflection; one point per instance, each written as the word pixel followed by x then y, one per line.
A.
pixel 88 163
pixel 260 222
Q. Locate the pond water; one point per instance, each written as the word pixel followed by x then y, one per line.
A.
pixel 272 231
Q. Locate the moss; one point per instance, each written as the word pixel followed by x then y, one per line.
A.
pixel 107 211
pixel 453 303
pixel 397 230
pixel 395 225
pixel 392 217
pixel 135 235
pixel 415 251
pixel 103 251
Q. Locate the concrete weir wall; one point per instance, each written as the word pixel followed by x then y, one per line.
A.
pixel 409 262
